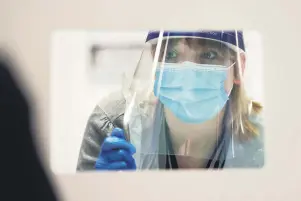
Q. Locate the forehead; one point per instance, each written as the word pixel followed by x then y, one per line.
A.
pixel 192 43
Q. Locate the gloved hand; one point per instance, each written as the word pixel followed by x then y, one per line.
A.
pixel 116 153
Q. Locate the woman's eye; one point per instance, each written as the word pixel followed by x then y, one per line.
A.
pixel 171 55
pixel 209 55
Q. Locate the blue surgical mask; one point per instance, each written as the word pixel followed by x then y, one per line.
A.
pixel 195 93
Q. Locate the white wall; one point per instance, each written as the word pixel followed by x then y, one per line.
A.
pixel 76 86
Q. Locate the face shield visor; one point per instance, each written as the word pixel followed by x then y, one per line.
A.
pixel 179 100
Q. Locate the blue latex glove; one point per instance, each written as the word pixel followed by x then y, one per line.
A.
pixel 116 153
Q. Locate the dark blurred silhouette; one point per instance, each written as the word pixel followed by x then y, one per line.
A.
pixel 22 174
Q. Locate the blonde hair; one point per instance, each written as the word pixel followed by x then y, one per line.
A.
pixel 242 109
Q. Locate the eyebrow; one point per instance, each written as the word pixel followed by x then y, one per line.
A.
pixel 202 42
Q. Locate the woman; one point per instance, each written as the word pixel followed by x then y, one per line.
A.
pixel 202 117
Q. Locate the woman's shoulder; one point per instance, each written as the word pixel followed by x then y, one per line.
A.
pixel 249 153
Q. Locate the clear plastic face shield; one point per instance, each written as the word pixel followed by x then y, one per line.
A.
pixel 182 97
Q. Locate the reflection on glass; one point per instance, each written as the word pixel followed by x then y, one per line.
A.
pixel 186 109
